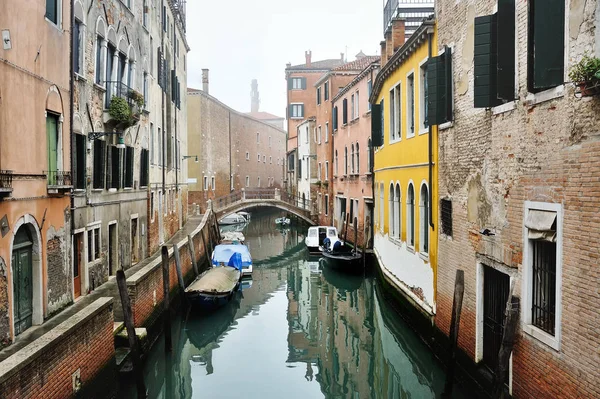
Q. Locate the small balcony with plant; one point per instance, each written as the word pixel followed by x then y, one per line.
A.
pixel 58 181
pixel 585 75
pixel 124 105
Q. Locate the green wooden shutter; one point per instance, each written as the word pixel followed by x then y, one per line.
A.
pixel 98 163
pixel 345 111
pixel 102 163
pixel 290 82
pixel 376 125
pixel 547 42
pixel 173 86
pixel 435 76
pixel 302 110
pixel 485 62
pixel 505 77
pixel 52 140
pixel 447 98
pixel 303 83
pixel 382 130
pixel 335 118
pixel 51 10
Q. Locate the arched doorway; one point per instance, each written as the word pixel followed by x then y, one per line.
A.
pixel 22 268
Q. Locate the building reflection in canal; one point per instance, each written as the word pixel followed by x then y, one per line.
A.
pixel 300 330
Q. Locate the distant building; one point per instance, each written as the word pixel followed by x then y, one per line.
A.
pixel 306 168
pixel 411 11
pixel 255 112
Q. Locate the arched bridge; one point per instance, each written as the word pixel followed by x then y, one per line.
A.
pixel 267 197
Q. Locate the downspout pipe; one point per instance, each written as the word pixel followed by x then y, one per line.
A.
pixel 430 137
pixel 372 163
pixel 71 113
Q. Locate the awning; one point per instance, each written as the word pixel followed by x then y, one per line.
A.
pixel 541 225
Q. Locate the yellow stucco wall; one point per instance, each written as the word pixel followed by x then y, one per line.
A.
pixel 405 161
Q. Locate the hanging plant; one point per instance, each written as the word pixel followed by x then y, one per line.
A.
pixel 119 110
pixel 586 75
pixel 137 98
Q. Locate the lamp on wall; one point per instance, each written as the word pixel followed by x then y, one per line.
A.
pixel 96 135
pixel 191 156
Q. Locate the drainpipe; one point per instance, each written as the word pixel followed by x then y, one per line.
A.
pixel 230 175
pixel 372 171
pixel 71 112
pixel 430 137
pixel 162 114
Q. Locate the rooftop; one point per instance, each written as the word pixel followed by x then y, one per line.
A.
pixel 263 116
pixel 317 65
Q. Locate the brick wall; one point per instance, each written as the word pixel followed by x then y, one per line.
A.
pixel 84 344
pixel 490 164
pixel 4 319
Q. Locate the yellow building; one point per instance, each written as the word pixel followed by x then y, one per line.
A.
pixel 405 161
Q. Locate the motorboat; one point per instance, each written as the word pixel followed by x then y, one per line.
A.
pixel 316 236
pixel 234 218
pixel 282 221
pixel 245 215
pixel 223 252
pixel 343 258
pixel 232 237
pixel 216 287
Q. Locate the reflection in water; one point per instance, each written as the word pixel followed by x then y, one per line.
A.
pixel 300 330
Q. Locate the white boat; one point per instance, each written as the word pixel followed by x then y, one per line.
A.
pixel 282 221
pixel 232 237
pixel 246 215
pixel 234 218
pixel 317 234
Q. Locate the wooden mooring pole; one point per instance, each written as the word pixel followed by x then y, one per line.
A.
pixel 193 254
pixel 178 268
pixel 167 310
pixel 511 320
pixel 206 253
pixel 459 289
pixel 133 341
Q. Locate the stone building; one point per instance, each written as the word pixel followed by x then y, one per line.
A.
pixel 235 151
pixel 111 121
pixel 167 130
pixel 327 87
pixel 36 279
pixel 352 165
pixel 301 104
pixel 518 183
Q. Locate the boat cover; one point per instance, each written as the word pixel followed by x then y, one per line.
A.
pixel 236 261
pixel 223 253
pixel 216 280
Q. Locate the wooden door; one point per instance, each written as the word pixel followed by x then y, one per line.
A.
pixel 77 265
pixel 22 280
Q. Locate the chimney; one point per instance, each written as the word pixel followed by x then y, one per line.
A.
pixel 308 55
pixel 398 37
pixel 389 49
pixel 383 53
pixel 205 80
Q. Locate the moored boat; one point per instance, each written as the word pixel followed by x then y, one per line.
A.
pixel 344 258
pixel 234 218
pixel 316 236
pixel 282 221
pixel 245 215
pixel 223 252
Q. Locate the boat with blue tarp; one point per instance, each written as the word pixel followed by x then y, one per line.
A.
pixel 223 253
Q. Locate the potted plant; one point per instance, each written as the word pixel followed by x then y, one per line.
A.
pixel 585 74
pixel 120 112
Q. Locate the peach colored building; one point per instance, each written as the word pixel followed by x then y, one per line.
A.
pixel 352 161
pixel 36 278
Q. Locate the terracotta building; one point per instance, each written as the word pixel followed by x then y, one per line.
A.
pixel 36 278
pixel 326 88
pixel 301 104
pixel 351 169
pixel 518 184
pixel 235 151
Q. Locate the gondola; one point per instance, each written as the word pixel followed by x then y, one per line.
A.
pixel 344 259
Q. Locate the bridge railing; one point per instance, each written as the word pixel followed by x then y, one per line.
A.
pixel 298 201
pixel 265 193
pixel 259 193
pixel 226 200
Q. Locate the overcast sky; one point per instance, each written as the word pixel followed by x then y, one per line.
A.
pixel 244 40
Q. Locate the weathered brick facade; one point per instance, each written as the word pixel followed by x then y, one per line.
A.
pixel 541 148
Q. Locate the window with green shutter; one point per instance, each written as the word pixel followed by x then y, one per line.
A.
pixel 99 162
pixel 52 10
pixel 335 118
pixel 128 167
pixel 439 85
pixel 345 111
pixel 485 61
pixel 80 150
pixel 376 125
pixel 505 77
pixel 546 44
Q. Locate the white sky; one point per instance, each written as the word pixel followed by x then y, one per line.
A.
pixel 244 40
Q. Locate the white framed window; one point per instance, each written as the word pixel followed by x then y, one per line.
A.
pixel 326 170
pixel 54 11
pixel 212 183
pixel 327 132
pixel 391 212
pixel 264 159
pixel 93 242
pixel 205 183
pixel 542 271
pixel 247 181
pixel 352 108
pixel 297 84
pixel 269 141
pixel 424 219
pixel 78 45
pixel 410 105
pixel 319 135
pixel 369 91
pixel 231 182
pixel 395 114
pixel 258 138
pixel 352 159
pixel 397 211
pixel 326 204
pixel 319 203
pixel 270 159
pixel 381 202
pixel 357 159
pixel 297 111
pixel 423 96
pixel 258 185
pixel 247 156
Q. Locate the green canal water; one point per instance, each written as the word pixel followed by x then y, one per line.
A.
pixel 297 330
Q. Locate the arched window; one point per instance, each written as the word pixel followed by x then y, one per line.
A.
pixel 410 216
pixel 369 159
pixel 381 207
pixel 352 158
pixel 397 212
pixel 357 160
pixel 424 219
pixel 345 160
pixel 391 209
pixel 336 163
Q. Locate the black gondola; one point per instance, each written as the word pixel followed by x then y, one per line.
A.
pixel 345 259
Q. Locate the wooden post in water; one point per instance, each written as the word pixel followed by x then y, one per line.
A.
pixel 459 289
pixel 193 254
pixel 178 268
pixel 346 228
pixel 511 320
pixel 206 253
pixel 133 342
pixel 167 310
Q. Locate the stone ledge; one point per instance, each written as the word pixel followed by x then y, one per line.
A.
pixel 31 352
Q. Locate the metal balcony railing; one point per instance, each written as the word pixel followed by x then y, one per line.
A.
pixel 119 89
pixel 59 179
pixel 6 177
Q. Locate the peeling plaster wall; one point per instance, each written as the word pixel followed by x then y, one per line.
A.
pixel 59 270
pixel 4 319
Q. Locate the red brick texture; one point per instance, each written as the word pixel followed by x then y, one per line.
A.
pixel 89 348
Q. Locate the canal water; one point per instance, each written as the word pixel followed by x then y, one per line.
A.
pixel 296 330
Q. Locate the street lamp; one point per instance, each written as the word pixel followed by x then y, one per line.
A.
pixel 191 156
pixel 96 135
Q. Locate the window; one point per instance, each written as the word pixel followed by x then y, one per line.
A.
pixel 160 148
pixel 397 212
pixel 351 214
pixel 145 13
pixel 357 160
pixel 336 163
pixel 326 87
pixel 270 159
pixel 258 185
pixel 99 60
pixel 424 92
pixel 247 181
pixel 52 10
pixel 80 163
pixel 145 90
pixel 369 91
pixel 258 138
pixel 543 272
pixel 144 168
pixel 297 84
pixel 345 161
pixel 113 172
pixel 392 216
pixel 296 110
pixel 546 44
pixel 326 170
pixel 264 159
pixel 326 132
pixel 78 50
pixel 345 111
pixel 247 156
pixel 212 183
pixel 205 183
pixel 447 217
pixel 99 163
pixel 439 86
pixel 334 115
pixel 319 95
pixel 326 204
pixel 151 143
pixel 319 202
pixel 410 104
pixel 352 115
pixel 231 182
pixel 93 242
pixel 319 172
pixel 377 126
pixel 424 219
pixel 410 216
pixel 258 158
pixel 269 141
pixel 128 166
pixel 356 107
pixel 381 213
pixel 352 158
pixel 392 115
pixel 319 135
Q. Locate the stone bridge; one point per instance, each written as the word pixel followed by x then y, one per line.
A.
pixel 268 197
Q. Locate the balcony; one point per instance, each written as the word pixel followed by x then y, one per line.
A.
pixel 59 181
pixel 6 177
pixel 123 104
